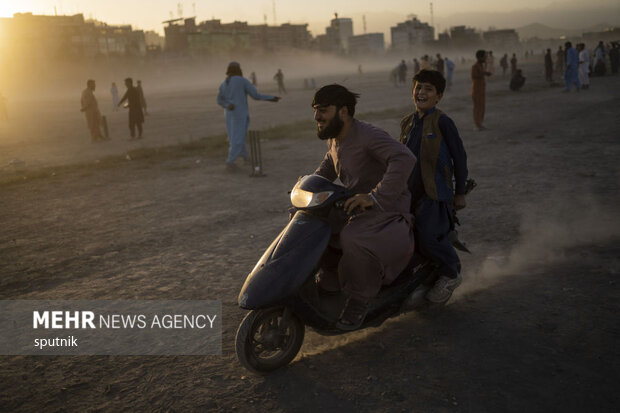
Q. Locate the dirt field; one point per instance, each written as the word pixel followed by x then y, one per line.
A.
pixel 534 326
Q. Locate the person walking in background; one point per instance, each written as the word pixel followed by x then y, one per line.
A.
pixel 560 57
pixel 449 70
pixel 440 65
pixel 416 66
pixel 478 89
pixel 513 64
pixel 571 73
pixel 548 66
pixel 517 81
pixel 279 77
pixel 402 72
pixel 584 66
pixel 394 76
pixel 599 60
pixel 503 62
pixel 141 93
pixel 424 63
pixel 253 79
pixel 134 103
pixel 233 97
pixel 114 93
pixel 490 64
pixel 91 111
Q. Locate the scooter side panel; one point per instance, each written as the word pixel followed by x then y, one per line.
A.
pixel 287 263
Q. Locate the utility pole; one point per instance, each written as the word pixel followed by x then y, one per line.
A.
pixel 432 20
pixel 364 21
pixel 273 3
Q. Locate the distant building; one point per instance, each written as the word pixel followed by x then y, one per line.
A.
pixel 464 36
pixel 444 37
pixel 410 34
pixel 177 34
pixel 41 37
pixel 501 38
pixel 336 38
pixel 609 35
pixel 275 38
pixel 370 43
pixel 119 40
pixel 154 40
pixel 213 36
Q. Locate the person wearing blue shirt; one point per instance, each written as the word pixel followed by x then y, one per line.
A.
pixel 233 96
pixel 571 72
pixel 449 70
pixel 438 180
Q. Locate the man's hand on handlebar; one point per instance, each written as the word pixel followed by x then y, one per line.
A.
pixel 361 201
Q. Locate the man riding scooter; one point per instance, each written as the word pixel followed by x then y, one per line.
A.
pixel 377 241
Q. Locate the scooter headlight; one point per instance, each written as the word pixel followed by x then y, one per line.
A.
pixel 306 199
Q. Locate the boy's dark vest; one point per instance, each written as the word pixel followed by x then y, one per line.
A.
pixel 429 150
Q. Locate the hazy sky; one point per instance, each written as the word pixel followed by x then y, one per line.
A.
pixel 380 15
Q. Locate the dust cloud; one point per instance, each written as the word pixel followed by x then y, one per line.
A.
pixel 26 79
pixel 550 232
pixel 163 74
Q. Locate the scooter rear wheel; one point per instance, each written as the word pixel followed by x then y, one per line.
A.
pixel 264 343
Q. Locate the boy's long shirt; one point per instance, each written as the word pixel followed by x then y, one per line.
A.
pixel 455 147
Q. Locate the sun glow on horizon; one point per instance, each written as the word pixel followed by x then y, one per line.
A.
pixel 8 9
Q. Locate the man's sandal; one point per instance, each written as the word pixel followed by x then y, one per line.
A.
pixel 353 314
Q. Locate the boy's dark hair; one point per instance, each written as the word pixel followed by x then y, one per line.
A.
pixel 433 77
pixel 480 54
pixel 337 95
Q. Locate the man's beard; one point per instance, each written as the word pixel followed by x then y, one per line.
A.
pixel 333 128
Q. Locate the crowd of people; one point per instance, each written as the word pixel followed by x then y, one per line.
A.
pixel 443 65
pixel 574 65
pixel 577 64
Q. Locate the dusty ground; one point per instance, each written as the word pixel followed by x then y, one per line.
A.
pixel 533 328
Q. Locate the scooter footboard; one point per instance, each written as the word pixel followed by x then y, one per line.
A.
pixel 290 259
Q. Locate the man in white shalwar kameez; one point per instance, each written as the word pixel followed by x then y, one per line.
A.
pixel 584 66
pixel 233 96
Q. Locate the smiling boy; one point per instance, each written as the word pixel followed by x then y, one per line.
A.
pixel 438 180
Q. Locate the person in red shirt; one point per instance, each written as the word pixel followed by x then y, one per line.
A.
pixel 478 88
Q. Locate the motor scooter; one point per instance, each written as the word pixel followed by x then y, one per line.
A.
pixel 282 293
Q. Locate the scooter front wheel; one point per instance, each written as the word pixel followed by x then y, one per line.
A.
pixel 268 339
